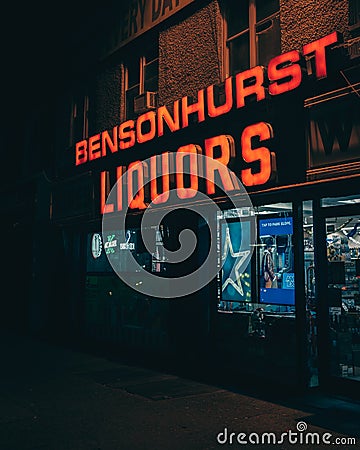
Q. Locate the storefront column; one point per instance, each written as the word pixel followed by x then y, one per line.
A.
pixel 320 260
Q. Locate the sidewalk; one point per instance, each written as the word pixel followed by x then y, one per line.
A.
pixel 53 398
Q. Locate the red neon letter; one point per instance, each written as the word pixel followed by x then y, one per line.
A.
pixel 150 117
pixel 214 111
pixel 190 151
pixel 262 154
pixel 287 77
pixel 80 152
pixel 197 107
pixel 163 115
pixel 244 89
pixel 164 196
pixel 127 134
pixel 94 147
pixel 227 147
pixel 136 199
pixel 106 141
pixel 318 47
pixel 104 192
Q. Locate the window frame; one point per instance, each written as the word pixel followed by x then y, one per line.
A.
pixel 354 12
pixel 142 63
pixel 83 100
pixel 253 36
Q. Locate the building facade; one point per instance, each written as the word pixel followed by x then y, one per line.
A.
pixel 270 89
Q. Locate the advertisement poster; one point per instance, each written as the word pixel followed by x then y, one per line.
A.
pixel 277 284
pixel 236 270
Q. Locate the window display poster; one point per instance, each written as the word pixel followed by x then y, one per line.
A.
pixel 277 282
pixel 236 269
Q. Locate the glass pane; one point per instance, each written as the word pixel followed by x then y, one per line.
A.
pixel 239 53
pixel 354 12
pixel 268 40
pixel 266 8
pixel 237 17
pixel 152 84
pixel 151 75
pixel 130 95
pixel 152 69
pixel 152 51
pixel 133 70
pixel 343 294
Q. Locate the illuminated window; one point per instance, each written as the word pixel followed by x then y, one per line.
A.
pixel 354 14
pixel 253 33
pixel 142 76
pixel 79 118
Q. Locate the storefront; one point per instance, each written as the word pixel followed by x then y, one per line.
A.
pixel 284 305
pixel 298 324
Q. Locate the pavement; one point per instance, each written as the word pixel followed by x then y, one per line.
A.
pixel 53 397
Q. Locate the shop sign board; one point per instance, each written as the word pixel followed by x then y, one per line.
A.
pixel 283 74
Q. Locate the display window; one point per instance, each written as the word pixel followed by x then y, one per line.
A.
pixel 332 293
pixel 258 316
pixel 257 270
pixel 343 295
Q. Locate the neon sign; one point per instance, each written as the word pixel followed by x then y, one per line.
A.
pixel 283 74
pixel 96 245
pixel 110 244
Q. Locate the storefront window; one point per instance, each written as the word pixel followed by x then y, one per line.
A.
pixel 101 247
pixel 343 255
pixel 268 279
pixel 354 14
pixel 258 317
pixel 113 311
